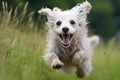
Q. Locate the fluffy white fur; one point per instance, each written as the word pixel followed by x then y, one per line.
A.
pixel 67 42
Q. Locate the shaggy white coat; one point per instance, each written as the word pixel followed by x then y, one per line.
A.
pixel 71 51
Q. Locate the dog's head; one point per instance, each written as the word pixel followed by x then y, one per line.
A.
pixel 67 23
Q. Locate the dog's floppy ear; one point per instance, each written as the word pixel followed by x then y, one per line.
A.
pixel 81 10
pixel 48 12
pixel 85 7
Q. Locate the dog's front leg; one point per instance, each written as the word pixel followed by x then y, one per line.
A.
pixel 82 62
pixel 53 60
pixel 79 57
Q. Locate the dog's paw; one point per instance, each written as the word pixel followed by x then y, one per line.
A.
pixel 84 69
pixel 79 58
pixel 57 64
pixel 81 72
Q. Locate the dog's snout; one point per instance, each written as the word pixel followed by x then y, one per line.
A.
pixel 65 29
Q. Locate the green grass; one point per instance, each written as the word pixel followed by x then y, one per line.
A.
pixel 21 51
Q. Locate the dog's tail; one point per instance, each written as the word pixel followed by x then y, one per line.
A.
pixel 94 41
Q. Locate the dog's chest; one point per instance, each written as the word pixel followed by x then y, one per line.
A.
pixel 65 54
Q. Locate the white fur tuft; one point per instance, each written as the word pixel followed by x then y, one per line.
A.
pixel 94 41
pixel 87 6
pixel 45 11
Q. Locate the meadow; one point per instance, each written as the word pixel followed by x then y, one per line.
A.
pixel 22 45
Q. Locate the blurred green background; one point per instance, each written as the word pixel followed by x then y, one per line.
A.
pixel 104 18
pixel 23 39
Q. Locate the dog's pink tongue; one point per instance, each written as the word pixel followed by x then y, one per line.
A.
pixel 66 39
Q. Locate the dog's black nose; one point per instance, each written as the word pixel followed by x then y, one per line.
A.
pixel 65 29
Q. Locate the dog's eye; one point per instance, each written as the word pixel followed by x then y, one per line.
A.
pixel 80 11
pixel 58 23
pixel 80 24
pixel 72 22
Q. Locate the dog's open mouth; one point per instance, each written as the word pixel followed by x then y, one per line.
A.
pixel 65 38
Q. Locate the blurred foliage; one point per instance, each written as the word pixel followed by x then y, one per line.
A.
pixel 102 17
pixel 22 47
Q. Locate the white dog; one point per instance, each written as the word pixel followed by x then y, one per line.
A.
pixel 67 42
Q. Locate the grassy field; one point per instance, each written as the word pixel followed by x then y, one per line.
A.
pixel 21 51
